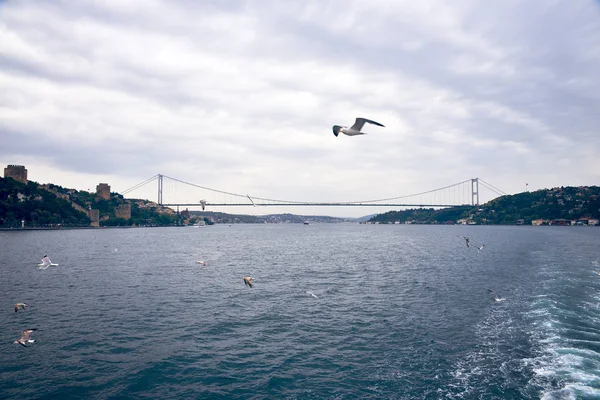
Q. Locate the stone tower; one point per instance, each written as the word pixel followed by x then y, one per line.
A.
pixel 103 191
pixel 123 211
pixel 17 172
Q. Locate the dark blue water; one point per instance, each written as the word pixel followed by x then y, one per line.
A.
pixel 402 312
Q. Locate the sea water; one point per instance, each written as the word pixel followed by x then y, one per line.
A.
pixel 401 312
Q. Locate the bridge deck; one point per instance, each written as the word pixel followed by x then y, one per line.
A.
pixel 316 204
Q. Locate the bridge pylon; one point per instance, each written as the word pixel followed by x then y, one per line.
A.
pixel 160 189
pixel 475 192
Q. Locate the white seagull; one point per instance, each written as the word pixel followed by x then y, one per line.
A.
pixel 496 296
pixel 201 262
pixel 354 129
pixel 25 337
pixel 312 294
pixel 46 263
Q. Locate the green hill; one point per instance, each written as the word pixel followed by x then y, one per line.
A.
pixel 51 205
pixel 560 203
pixel 37 207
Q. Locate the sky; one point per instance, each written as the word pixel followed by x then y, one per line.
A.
pixel 241 96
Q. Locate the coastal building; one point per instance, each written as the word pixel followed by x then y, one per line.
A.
pixel 123 211
pixel 103 191
pixel 538 222
pixel 17 172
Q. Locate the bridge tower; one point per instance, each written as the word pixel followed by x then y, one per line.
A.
pixel 160 189
pixel 475 192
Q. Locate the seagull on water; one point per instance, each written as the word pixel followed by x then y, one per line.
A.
pixel 354 129
pixel 248 281
pixel 201 262
pixel 496 296
pixel 20 306
pixel 46 263
pixel 312 294
pixel 25 337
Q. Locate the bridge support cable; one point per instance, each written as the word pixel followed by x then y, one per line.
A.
pixel 172 193
pixel 139 185
pixel 240 196
pixel 493 188
pixel 440 197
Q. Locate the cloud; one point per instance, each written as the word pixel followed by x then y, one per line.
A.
pixel 241 95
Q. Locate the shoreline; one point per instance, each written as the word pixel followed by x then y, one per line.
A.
pixel 60 228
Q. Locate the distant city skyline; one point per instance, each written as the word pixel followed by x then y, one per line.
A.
pixel 242 96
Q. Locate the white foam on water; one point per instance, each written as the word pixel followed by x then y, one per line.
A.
pixel 567 366
pixel 488 361
pixel 571 391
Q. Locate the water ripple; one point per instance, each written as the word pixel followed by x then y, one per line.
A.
pixel 401 312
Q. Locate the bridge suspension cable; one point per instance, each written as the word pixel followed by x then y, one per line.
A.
pixel 409 195
pixel 461 193
pixel 139 185
pixel 252 198
pixel 491 187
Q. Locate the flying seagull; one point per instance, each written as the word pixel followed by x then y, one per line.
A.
pixel 201 262
pixel 20 306
pixel 248 281
pixel 312 294
pixel 480 247
pixel 354 129
pixel 496 296
pixel 46 263
pixel 466 240
pixel 25 337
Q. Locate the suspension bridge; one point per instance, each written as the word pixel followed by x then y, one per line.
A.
pixel 172 192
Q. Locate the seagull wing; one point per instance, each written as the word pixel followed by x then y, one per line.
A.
pixel 26 334
pixel 360 122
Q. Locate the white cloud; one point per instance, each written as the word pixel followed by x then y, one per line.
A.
pixel 241 96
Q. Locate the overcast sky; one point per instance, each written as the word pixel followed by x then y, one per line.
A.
pixel 241 96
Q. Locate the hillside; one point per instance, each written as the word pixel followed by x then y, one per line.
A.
pixel 223 218
pixel 143 212
pixel 561 203
pixel 37 207
pixel 51 205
